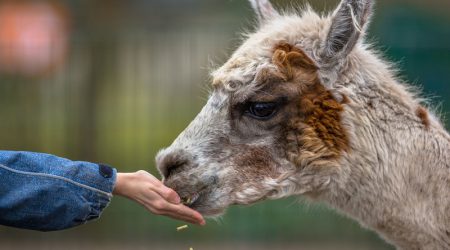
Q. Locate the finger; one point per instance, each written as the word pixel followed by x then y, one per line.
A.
pixel 190 219
pixel 161 208
pixel 154 202
pixel 186 219
pixel 168 194
pixel 157 186
pixel 184 211
pixel 165 192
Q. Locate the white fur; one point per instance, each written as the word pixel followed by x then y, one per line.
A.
pixel 392 155
pixel 395 177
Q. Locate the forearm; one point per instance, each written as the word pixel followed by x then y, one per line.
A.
pixel 45 192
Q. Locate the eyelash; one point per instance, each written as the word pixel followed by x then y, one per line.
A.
pixel 272 108
pixel 261 110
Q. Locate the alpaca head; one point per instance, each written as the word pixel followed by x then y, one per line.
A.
pixel 272 126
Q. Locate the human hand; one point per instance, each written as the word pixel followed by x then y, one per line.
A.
pixel 147 190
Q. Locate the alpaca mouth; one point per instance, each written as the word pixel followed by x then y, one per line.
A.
pixel 192 200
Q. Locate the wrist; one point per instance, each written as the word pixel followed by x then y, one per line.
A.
pixel 121 186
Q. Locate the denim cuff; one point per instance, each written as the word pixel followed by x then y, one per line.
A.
pixel 102 196
pixel 97 203
pixel 45 192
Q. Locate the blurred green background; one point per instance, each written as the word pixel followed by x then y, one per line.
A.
pixel 115 81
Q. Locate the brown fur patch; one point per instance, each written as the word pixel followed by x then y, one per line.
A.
pixel 323 113
pixel 316 132
pixel 255 162
pixel 422 113
pixel 288 57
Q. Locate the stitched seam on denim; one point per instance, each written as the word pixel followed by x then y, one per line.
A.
pixel 56 177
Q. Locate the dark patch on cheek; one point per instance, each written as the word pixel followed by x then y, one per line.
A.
pixel 255 163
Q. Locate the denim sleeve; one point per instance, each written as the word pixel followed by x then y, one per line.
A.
pixel 45 192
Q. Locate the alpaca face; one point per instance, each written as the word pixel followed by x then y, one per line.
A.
pixel 272 126
pixel 234 151
pixel 245 143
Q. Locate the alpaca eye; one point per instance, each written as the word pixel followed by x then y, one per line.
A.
pixel 262 110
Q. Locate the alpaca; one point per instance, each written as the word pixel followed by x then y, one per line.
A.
pixel 305 107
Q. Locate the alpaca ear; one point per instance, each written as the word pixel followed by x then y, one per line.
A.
pixel 264 10
pixel 348 25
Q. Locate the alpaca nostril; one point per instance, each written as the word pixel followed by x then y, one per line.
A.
pixel 173 168
pixel 172 161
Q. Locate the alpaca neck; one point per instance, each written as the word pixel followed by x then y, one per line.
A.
pixel 396 179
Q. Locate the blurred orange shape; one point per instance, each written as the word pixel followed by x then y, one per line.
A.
pixel 33 37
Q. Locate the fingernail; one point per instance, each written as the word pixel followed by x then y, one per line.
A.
pixel 202 223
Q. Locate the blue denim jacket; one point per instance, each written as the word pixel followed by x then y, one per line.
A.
pixel 44 192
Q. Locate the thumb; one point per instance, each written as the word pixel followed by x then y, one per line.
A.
pixel 169 194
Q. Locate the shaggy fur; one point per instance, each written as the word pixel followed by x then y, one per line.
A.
pixel 345 130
